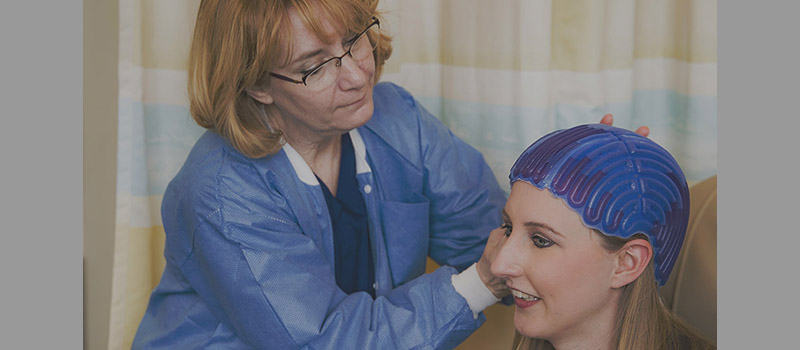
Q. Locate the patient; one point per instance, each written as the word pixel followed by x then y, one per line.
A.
pixel 594 223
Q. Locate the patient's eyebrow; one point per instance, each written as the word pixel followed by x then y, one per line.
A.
pixel 531 224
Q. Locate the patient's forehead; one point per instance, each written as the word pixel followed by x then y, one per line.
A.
pixel 529 204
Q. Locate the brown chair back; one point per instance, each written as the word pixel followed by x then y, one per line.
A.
pixel 691 290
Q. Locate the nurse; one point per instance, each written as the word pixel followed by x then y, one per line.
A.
pixel 304 216
pixel 594 222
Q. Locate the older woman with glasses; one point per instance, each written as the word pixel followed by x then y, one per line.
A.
pixel 303 217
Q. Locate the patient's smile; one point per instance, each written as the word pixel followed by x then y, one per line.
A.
pixel 523 300
pixel 523 296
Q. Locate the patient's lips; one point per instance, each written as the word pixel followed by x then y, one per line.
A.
pixel 524 300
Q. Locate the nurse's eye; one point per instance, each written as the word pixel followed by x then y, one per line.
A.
pixel 540 241
pixel 349 39
pixel 312 71
pixel 507 228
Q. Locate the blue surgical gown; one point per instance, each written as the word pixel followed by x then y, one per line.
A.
pixel 249 247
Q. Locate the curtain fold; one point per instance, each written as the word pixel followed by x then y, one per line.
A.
pixel 500 74
pixel 156 133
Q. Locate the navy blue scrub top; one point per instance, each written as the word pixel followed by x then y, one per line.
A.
pixel 351 246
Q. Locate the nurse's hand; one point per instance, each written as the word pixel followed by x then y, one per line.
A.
pixel 495 284
pixel 608 119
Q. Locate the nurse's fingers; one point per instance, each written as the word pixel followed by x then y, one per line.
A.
pixel 608 119
pixel 496 284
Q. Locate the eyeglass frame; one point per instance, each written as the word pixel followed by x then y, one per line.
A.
pixel 349 52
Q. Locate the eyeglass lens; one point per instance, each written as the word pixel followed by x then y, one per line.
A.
pixel 359 50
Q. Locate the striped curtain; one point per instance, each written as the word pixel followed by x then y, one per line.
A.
pixel 503 73
pixel 156 133
pixel 500 74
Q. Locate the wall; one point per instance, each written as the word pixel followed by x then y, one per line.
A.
pixel 100 47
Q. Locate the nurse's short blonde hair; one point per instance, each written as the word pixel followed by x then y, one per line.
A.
pixel 237 43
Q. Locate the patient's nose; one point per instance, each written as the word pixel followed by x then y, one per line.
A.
pixel 505 263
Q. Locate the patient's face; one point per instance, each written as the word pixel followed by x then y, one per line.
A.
pixel 556 267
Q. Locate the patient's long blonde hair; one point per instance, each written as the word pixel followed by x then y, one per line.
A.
pixel 643 321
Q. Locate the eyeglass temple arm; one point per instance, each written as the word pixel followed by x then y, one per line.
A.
pixel 281 77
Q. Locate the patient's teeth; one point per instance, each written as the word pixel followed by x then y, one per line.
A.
pixel 523 296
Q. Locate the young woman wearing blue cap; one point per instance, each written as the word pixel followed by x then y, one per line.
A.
pixel 594 222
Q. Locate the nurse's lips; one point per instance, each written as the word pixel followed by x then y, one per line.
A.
pixel 523 300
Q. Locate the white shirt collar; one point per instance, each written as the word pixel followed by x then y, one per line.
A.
pixel 304 172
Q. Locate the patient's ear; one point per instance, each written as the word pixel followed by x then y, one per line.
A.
pixel 631 261
pixel 260 94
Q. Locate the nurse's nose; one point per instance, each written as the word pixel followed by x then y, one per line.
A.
pixel 351 73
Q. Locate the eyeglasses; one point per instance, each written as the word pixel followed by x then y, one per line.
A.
pixel 324 74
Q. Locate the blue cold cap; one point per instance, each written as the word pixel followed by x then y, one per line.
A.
pixel 619 182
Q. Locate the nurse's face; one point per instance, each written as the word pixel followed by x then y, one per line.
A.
pixel 330 109
pixel 557 270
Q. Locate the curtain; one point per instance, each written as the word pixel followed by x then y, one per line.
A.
pixel 156 133
pixel 500 74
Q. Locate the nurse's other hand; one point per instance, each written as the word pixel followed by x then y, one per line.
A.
pixel 495 284
pixel 608 119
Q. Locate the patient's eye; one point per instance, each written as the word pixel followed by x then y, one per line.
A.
pixel 540 241
pixel 506 227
